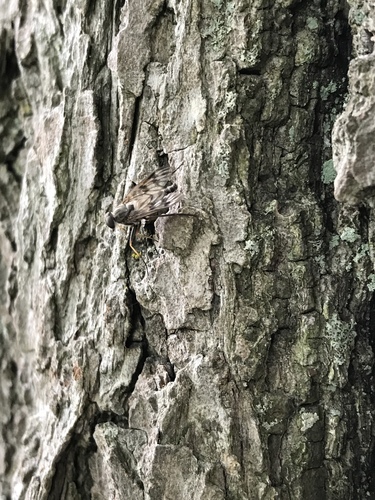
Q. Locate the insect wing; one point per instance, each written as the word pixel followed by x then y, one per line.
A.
pixel 151 186
pixel 149 199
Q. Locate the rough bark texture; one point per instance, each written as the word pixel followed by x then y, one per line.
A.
pixel 238 362
pixel 354 132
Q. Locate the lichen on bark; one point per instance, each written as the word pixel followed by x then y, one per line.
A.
pixel 234 360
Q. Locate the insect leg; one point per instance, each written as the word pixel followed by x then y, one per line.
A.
pixel 132 234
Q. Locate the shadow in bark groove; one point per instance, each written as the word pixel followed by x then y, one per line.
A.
pixel 72 467
pixel 135 123
pixel 250 71
pixel 137 323
pixel 109 416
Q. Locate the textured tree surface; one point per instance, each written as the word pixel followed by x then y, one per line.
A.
pixel 235 359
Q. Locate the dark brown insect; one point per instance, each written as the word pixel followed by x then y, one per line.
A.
pixel 147 201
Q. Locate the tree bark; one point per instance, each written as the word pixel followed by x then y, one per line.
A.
pixel 234 360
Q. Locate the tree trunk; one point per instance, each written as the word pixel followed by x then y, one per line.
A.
pixel 234 359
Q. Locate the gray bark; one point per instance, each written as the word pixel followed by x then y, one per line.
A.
pixel 235 359
pixel 354 132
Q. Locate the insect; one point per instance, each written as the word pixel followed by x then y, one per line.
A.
pixel 148 200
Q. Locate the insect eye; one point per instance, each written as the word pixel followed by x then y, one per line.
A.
pixel 109 220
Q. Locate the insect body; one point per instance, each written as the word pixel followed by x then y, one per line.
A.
pixel 148 200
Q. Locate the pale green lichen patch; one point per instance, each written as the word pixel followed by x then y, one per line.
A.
pixel 358 17
pixel 308 420
pixel 335 241
pixel 340 335
pixel 363 252
pixel 307 48
pixel 312 23
pixel 349 234
pixel 229 104
pixel 328 172
pixel 252 247
pixel 220 22
pixel 326 91
pixel 371 282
